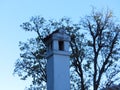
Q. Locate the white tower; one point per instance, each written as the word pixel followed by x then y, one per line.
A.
pixel 58 77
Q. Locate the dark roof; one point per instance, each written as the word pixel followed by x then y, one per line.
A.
pixel 49 36
pixel 114 87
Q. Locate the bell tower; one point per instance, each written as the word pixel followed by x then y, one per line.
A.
pixel 58 77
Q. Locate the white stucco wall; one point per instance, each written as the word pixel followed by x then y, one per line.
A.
pixel 58 73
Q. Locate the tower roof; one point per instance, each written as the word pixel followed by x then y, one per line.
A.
pixel 61 31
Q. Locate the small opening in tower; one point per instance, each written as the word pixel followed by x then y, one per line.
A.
pixel 50 46
pixel 61 45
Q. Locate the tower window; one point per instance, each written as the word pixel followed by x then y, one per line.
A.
pixel 50 47
pixel 61 45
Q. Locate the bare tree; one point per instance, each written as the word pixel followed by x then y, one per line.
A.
pixel 104 45
pixel 94 48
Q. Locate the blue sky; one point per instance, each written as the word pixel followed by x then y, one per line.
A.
pixel 15 12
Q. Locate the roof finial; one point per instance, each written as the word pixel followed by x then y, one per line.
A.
pixel 62 31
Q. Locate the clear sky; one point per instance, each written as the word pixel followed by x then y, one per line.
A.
pixel 15 12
